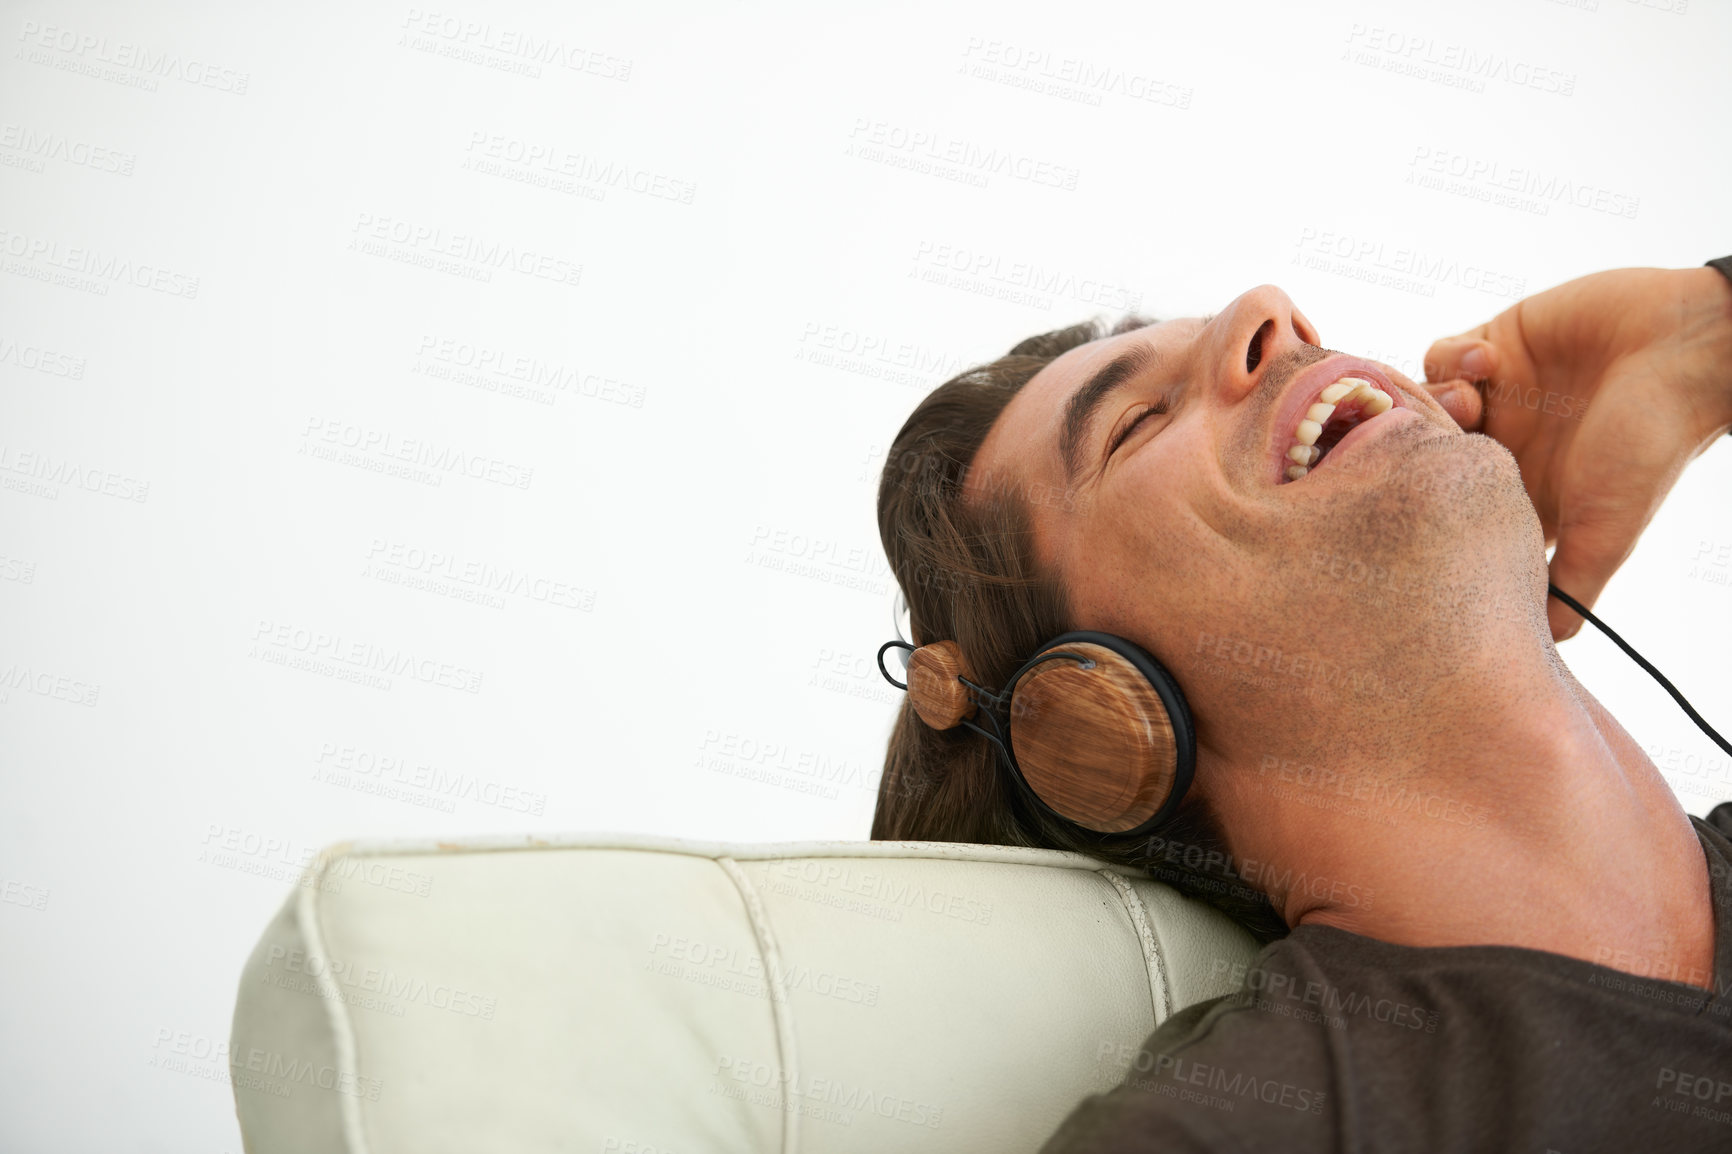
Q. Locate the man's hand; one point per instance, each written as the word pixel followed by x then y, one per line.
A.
pixel 1604 388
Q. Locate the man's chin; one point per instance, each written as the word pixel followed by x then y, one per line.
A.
pixel 1449 519
pixel 1469 467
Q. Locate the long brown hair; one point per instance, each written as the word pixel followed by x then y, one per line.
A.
pixel 969 575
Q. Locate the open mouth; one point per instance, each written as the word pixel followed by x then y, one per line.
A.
pixel 1341 407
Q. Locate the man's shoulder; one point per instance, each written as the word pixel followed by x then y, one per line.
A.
pixel 1323 1010
pixel 1219 1075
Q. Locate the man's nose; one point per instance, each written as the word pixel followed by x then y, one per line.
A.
pixel 1256 331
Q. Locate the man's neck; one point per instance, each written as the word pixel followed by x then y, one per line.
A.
pixel 1505 807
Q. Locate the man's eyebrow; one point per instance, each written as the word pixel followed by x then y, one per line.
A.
pixel 1087 401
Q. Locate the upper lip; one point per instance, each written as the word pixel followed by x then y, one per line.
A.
pixel 1304 390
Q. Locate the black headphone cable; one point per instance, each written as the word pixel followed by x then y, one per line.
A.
pixel 1642 661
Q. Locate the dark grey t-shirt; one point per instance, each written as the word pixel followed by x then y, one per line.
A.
pixel 1342 1042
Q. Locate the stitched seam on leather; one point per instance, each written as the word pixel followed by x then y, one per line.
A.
pixel 1160 997
pixel 781 1013
pixel 342 1031
pixel 739 851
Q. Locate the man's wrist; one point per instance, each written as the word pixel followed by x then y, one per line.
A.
pixel 1706 332
pixel 1723 266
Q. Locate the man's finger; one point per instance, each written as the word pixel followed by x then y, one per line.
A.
pixel 1463 402
pixel 1466 356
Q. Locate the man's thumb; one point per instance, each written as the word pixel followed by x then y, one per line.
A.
pixel 1461 400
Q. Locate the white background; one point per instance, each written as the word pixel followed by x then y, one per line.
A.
pixel 756 208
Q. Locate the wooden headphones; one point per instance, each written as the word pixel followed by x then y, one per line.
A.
pixel 1092 726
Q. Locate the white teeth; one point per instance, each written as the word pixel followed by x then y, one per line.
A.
pixel 1304 452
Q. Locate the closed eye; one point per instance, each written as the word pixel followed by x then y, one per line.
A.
pixel 1159 408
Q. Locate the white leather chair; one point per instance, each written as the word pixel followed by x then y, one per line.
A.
pixel 643 995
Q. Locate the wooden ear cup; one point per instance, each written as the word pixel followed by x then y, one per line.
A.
pixel 939 698
pixel 1095 744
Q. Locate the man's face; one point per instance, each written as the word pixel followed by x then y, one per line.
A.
pixel 1183 528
